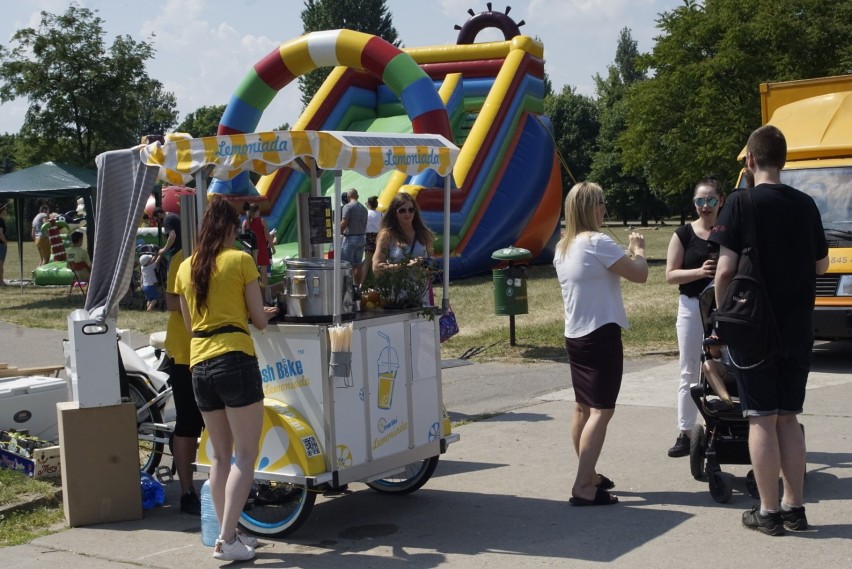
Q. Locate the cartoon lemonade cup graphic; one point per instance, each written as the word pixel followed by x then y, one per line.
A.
pixel 388 364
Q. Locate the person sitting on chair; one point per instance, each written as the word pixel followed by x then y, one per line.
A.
pixel 78 258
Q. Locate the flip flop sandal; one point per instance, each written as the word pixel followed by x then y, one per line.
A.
pixel 602 498
pixel 605 483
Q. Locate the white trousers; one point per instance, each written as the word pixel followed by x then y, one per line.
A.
pixel 690 335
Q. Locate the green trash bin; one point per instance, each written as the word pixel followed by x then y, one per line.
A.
pixel 510 282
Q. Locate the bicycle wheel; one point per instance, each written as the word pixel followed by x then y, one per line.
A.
pixel 150 450
pixel 412 477
pixel 276 508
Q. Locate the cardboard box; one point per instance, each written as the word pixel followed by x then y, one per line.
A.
pixel 100 463
pixel 35 458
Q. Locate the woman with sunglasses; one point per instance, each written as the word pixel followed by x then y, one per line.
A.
pixel 691 265
pixel 403 236
pixel 219 292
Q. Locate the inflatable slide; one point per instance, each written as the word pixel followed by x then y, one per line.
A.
pixel 485 97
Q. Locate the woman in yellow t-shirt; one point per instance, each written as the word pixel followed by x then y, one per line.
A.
pixel 219 291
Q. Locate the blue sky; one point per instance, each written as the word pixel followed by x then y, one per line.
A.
pixel 205 47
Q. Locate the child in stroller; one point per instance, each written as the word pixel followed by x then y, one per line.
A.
pixel 723 439
pixel 718 369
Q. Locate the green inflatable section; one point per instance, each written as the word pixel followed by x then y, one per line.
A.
pixel 53 273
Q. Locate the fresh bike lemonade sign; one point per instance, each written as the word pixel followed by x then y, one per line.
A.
pixel 291 370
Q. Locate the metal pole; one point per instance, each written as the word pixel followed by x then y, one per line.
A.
pixel 445 302
pixel 338 285
pixel 201 194
pixel 511 329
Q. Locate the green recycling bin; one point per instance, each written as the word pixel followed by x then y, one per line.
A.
pixel 510 282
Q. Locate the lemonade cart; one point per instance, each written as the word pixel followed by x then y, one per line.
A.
pixel 378 416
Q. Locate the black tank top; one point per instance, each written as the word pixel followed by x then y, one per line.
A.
pixel 695 252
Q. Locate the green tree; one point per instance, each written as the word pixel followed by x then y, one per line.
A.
pixel 8 142
pixel 628 194
pixel 83 98
pixel 368 16
pixel 693 117
pixel 203 121
pixel 575 128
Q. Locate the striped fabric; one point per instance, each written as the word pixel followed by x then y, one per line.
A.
pixel 369 154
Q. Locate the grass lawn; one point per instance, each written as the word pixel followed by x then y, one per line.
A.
pixel 651 309
pixel 49 306
pixel 24 526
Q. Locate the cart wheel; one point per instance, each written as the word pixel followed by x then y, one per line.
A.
pixel 276 508
pixel 697 454
pixel 150 451
pixel 410 479
pixel 721 486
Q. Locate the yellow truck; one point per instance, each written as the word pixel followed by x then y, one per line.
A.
pixel 815 116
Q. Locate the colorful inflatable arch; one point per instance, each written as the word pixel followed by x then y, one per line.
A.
pixel 487 98
pixel 354 50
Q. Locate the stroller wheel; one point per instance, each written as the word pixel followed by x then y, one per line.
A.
pixel 697 452
pixel 721 486
pixel 751 485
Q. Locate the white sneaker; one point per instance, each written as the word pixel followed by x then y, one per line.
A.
pixel 247 539
pixel 234 551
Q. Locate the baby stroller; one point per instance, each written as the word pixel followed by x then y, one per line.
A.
pixel 723 439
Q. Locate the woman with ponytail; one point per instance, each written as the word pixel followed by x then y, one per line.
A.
pixel 219 292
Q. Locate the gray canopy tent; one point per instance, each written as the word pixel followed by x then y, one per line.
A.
pixel 48 180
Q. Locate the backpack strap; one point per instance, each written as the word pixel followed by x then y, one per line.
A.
pixel 751 228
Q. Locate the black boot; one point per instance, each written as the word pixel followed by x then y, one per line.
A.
pixel 681 447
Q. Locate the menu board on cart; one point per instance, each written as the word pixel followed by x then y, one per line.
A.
pixel 319 213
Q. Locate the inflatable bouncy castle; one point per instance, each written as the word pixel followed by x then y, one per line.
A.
pixel 485 97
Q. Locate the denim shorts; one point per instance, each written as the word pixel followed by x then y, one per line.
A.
pixel 352 250
pixel 3 249
pixel 229 380
pixel 775 387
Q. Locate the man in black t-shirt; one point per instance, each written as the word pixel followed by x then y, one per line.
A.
pixel 793 251
pixel 171 227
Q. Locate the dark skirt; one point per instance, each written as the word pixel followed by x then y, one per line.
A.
pixel 597 364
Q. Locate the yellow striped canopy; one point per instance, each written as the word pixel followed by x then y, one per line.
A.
pixel 368 153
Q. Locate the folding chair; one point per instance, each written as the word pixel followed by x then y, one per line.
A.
pixel 78 268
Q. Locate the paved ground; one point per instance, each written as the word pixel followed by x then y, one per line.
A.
pixel 499 496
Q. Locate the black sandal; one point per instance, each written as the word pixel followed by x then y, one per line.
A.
pixel 605 483
pixel 602 498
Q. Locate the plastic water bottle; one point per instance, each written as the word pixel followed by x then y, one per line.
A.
pixel 209 522
pixel 152 491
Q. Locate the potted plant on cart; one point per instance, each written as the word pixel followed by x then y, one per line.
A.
pixel 404 285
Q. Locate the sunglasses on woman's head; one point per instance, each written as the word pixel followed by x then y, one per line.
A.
pixel 405 210
pixel 710 202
